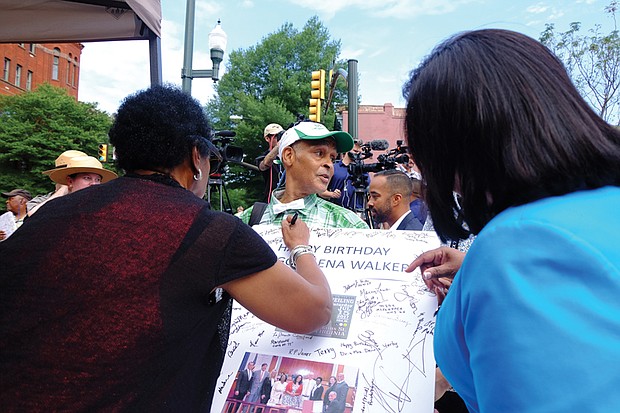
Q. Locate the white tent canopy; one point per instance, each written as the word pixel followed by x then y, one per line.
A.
pixel 68 21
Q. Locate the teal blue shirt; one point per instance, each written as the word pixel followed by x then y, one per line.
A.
pixel 531 323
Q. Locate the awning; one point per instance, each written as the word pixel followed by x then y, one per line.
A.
pixel 73 21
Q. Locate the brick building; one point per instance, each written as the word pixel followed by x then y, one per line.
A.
pixel 27 65
pixel 378 122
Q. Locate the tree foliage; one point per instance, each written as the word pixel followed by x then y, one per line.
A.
pixel 270 82
pixel 36 127
pixel 593 62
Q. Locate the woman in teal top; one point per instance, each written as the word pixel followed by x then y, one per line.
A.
pixel 531 322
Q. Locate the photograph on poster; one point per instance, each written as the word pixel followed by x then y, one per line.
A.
pixel 277 384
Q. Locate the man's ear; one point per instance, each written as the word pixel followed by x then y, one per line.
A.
pixel 288 156
pixel 396 199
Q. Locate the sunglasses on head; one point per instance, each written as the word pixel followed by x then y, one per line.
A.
pixel 215 157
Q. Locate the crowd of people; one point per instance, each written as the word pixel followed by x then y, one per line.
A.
pixel 286 182
pixel 123 299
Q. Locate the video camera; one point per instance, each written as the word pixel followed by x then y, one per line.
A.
pixel 385 161
pixel 229 153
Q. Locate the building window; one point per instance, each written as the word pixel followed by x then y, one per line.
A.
pixel 33 47
pixel 74 76
pixel 18 75
pixel 55 63
pixel 29 80
pixel 68 74
pixel 7 69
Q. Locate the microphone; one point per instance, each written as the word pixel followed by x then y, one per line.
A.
pixel 379 145
pixel 225 133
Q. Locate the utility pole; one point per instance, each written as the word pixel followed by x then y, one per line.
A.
pixel 352 81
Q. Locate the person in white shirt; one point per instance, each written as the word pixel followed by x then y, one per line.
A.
pixel 16 206
pixel 309 386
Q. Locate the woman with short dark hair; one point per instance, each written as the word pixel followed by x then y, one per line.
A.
pixel 531 321
pixel 119 297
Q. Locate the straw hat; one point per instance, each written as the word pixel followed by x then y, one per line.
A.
pixel 81 164
pixel 63 159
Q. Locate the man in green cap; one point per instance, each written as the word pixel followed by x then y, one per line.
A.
pixel 307 151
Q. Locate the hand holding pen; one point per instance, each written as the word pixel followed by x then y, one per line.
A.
pixel 295 231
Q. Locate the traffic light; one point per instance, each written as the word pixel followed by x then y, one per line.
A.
pixel 315 110
pixel 103 152
pixel 317 93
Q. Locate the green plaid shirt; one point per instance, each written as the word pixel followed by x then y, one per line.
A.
pixel 316 212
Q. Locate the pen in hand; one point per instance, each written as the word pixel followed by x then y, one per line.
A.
pixel 295 216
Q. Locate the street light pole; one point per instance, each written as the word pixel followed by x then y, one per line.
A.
pixel 217 45
pixel 188 49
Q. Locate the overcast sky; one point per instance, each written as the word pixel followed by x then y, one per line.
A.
pixel 388 38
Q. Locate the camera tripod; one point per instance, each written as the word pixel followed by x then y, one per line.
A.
pixel 360 199
pixel 217 184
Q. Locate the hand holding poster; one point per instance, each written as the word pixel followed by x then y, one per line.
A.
pixel 375 355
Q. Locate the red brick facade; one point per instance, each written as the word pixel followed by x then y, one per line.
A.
pixel 27 65
pixel 378 122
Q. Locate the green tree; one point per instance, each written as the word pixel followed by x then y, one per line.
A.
pixel 270 82
pixel 35 127
pixel 593 62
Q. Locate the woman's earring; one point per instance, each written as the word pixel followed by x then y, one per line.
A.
pixel 198 176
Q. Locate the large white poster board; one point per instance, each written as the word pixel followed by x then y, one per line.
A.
pixel 380 336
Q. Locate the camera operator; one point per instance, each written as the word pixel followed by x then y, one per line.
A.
pixel 341 189
pixel 271 171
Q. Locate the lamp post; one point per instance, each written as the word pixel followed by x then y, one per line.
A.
pixel 217 46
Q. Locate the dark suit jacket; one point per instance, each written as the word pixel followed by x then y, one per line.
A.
pixel 342 389
pixel 243 383
pixel 335 406
pixel 317 394
pixel 256 381
pixel 265 390
pixel 410 222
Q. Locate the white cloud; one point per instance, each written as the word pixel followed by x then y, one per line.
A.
pixel 206 9
pixel 351 53
pixel 537 8
pixel 551 13
pixel 110 71
pixel 388 8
